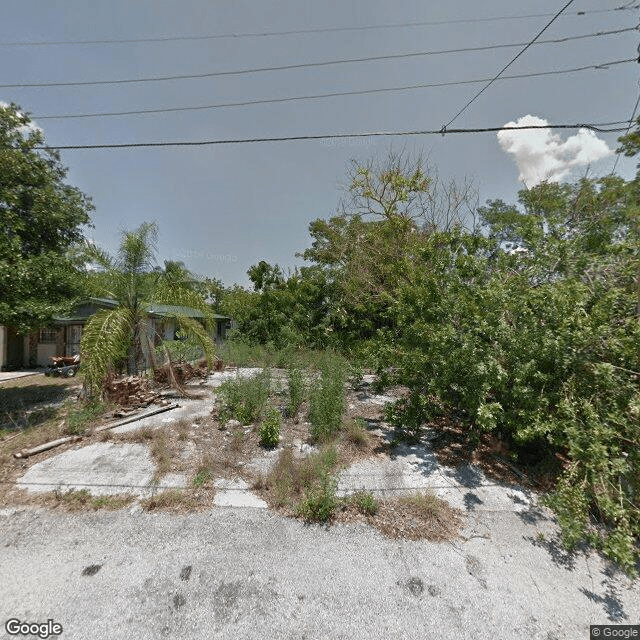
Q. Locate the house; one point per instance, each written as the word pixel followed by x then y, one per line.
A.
pixel 64 335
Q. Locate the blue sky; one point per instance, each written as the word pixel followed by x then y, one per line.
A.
pixel 223 208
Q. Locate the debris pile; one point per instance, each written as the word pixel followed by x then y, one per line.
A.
pixel 132 391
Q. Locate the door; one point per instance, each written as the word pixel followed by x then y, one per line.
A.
pixel 15 349
pixel 72 343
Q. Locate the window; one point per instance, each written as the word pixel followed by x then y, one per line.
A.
pixel 48 336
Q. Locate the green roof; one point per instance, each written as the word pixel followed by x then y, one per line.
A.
pixel 172 310
pixel 153 309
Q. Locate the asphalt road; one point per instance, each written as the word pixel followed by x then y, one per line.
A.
pixel 249 573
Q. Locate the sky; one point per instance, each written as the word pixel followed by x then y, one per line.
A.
pixel 223 208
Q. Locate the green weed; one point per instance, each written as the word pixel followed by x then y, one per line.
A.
pixel 327 400
pixel 270 428
pixel 202 477
pixel 297 391
pixel 243 399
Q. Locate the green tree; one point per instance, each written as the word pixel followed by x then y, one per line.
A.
pixel 132 279
pixel 539 346
pixel 41 218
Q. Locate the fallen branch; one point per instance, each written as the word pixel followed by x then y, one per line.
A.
pixel 106 427
pixel 44 447
pixel 25 453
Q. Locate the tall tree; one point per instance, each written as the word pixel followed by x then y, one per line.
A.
pixel 41 217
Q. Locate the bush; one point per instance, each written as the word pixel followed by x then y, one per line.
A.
pixel 541 347
pixel 320 502
pixel 270 428
pixel 327 400
pixel 297 390
pixel 243 399
pixel 365 502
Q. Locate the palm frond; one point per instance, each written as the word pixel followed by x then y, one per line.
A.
pixel 195 330
pixel 167 292
pixel 95 255
pixel 105 340
pixel 137 251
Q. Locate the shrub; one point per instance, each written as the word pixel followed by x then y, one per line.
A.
pixel 319 502
pixel 295 379
pixel 326 400
pixel 365 502
pixel 243 399
pixel 270 428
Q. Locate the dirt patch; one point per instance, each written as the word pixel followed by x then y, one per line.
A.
pixel 418 517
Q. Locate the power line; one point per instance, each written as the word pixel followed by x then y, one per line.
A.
pixel 266 34
pixel 305 65
pixel 477 95
pixel 329 95
pixel 599 127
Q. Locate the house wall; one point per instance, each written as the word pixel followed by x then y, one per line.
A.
pixel 44 353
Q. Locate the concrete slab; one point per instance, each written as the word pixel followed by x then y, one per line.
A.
pixel 218 377
pixel 5 376
pixel 172 481
pixel 235 493
pixel 103 469
pixel 414 468
pixel 264 463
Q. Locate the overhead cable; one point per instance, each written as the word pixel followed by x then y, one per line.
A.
pixel 306 65
pixel 602 127
pixel 333 94
pixel 268 34
pixel 506 66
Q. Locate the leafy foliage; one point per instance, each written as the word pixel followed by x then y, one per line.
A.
pixel 270 428
pixel 41 218
pixel 327 399
pixel 297 390
pixel 244 399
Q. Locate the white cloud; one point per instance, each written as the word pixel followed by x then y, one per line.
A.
pixel 32 126
pixel 541 154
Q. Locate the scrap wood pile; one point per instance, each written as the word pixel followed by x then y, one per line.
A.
pixel 184 371
pixel 132 391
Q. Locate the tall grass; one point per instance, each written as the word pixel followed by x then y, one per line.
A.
pixel 327 398
pixel 297 390
pixel 244 399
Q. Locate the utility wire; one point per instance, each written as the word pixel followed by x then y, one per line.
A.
pixel 334 94
pixel 599 127
pixel 267 34
pixel 631 121
pixel 305 65
pixel 477 95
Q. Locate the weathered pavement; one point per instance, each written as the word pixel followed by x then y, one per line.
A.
pixel 248 573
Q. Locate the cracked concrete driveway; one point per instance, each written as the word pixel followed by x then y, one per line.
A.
pixel 246 572
pixel 249 573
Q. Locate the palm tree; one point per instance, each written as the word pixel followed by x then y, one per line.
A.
pixel 132 279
